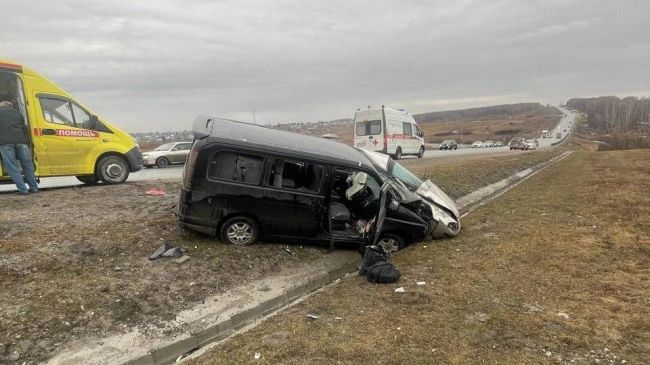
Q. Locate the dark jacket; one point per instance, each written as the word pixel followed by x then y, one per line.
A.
pixel 12 127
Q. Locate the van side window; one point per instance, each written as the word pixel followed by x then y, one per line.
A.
pixel 302 176
pixel 231 166
pixel 57 111
pixel 407 129
pixel 369 128
pixel 81 118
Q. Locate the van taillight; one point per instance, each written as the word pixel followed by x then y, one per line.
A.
pixel 188 173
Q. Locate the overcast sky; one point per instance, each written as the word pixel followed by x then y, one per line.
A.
pixel 154 65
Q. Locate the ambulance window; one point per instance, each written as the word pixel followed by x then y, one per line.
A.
pixel 372 127
pixel 57 111
pixel 407 129
pixel 81 118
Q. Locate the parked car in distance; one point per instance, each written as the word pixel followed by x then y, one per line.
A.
pixel 477 144
pixel 244 182
pixel 532 144
pixel 167 154
pixel 488 143
pixel 498 144
pixel 517 143
pixel 449 144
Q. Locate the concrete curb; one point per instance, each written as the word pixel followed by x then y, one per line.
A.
pixel 237 321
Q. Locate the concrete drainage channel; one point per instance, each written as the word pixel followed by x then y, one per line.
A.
pixel 241 308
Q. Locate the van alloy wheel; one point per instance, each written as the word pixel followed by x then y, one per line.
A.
pixel 112 170
pixel 391 242
pixel 240 233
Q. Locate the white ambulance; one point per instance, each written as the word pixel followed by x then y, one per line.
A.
pixel 390 131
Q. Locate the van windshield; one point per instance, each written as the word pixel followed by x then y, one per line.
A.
pixel 368 128
pixel 403 175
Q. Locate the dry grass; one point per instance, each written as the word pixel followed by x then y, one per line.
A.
pixel 459 176
pixel 573 240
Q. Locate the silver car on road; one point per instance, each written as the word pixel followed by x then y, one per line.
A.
pixel 167 154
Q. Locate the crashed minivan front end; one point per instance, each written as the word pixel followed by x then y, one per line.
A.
pixel 442 210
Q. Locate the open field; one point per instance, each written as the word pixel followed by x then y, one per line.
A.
pixel 554 271
pixel 494 128
pixel 77 267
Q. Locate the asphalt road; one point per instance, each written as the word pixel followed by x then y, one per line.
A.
pixel 175 172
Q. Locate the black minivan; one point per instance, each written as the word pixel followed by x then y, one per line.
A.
pixel 243 182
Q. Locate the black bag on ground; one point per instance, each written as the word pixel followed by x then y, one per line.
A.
pixel 383 272
pixel 371 255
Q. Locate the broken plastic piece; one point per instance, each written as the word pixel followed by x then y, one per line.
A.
pixel 312 316
pixel 161 250
pixel 399 290
pixel 173 252
pixel 155 192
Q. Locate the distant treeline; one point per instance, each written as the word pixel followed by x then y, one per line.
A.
pixel 494 111
pixel 609 113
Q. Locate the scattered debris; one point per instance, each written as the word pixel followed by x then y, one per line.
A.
pixel 257 356
pixel 312 316
pixel 420 283
pixel 563 315
pixel 399 290
pixel 182 259
pixel 173 252
pixel 533 308
pixel 161 250
pixel 155 192
pixel 289 251
pixel 264 287
pixel 117 268
pixel 548 353
pixel 338 318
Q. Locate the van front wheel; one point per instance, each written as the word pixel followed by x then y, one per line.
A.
pixel 112 170
pixel 421 153
pixel 241 231
pixel 87 179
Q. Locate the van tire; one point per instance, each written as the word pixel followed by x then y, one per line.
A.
pixel 162 162
pixel 395 240
pixel 87 179
pixel 421 153
pixel 241 231
pixel 398 153
pixel 112 169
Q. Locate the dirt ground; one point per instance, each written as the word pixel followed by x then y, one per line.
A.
pixel 74 264
pixel 73 261
pixel 554 271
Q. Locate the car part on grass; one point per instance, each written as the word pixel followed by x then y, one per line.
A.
pixel 167 250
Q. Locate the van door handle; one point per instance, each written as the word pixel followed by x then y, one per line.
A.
pixel 48 132
pixel 104 139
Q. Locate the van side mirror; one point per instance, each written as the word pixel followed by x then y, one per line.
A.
pixel 93 122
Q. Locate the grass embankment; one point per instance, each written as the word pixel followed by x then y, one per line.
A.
pixel 555 271
pixel 459 176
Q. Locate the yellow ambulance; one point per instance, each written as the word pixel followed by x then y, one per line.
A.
pixel 67 138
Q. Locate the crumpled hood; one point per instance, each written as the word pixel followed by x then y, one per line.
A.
pixel 432 192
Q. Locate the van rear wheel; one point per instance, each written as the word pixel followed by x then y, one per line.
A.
pixel 241 231
pixel 398 153
pixel 112 170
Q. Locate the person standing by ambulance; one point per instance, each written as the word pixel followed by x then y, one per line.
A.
pixel 14 147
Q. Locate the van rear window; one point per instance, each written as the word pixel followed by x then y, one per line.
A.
pixel 230 166
pixel 369 128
